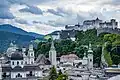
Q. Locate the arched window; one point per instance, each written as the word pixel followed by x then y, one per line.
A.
pixel 30 73
pixel 4 75
pixel 17 62
pixel 18 75
pixel 31 54
pixel 25 62
pixel 13 63
pixel 22 62
pixel 90 60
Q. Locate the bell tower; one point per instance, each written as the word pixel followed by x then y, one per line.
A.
pixel 52 54
pixel 31 54
pixel 90 57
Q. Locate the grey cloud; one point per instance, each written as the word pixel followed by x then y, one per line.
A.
pixel 55 12
pixel 4 10
pixel 28 2
pixel 21 21
pixel 32 9
pixel 36 22
pixel 58 12
pixel 116 2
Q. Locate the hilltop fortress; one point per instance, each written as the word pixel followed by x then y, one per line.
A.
pixel 101 26
pixel 109 27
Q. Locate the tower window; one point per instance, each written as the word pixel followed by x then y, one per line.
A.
pixel 90 60
pixel 17 63
pixel 12 63
pixel 31 54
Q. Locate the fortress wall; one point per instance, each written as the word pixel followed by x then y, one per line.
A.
pixel 108 30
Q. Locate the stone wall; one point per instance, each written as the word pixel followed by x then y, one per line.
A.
pixel 108 30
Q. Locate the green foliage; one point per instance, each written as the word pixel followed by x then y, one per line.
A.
pixel 87 36
pixel 107 57
pixel 84 38
pixel 62 77
pixel 53 74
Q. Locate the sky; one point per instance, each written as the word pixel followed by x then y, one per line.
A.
pixel 46 16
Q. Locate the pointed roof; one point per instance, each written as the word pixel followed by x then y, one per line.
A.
pixel 97 18
pixel 52 46
pixel 84 56
pixel 11 44
pixel 90 49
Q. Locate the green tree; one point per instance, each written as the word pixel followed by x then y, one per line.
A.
pixel 53 74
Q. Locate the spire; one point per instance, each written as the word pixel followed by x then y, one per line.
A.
pixel 97 18
pixel 84 54
pixel 90 49
pixel 52 46
pixel 11 44
pixel 90 45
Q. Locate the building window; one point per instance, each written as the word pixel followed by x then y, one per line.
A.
pixel 31 54
pixel 12 63
pixel 18 75
pixel 17 63
pixel 4 75
pixel 22 62
pixel 25 62
pixel 90 60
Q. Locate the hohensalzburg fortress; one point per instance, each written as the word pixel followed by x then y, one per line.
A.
pixel 90 24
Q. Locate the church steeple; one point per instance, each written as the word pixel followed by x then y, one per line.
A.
pixel 90 48
pixel 52 46
pixel 90 57
pixel 52 54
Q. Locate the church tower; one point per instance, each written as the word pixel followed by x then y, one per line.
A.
pixel 52 55
pixel 31 54
pixel 85 60
pixel 90 57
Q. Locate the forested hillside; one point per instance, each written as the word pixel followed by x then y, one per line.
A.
pixel 7 37
pixel 82 40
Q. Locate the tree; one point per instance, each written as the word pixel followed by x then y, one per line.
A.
pixel 62 76
pixel 53 74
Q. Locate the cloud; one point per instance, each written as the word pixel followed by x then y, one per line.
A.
pixel 44 13
pixel 4 10
pixel 36 22
pixel 21 21
pixel 28 2
pixel 32 9
pixel 58 12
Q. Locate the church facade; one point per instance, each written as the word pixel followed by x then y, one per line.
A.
pixel 19 64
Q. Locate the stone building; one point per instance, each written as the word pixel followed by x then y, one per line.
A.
pixel 96 23
pixel 19 65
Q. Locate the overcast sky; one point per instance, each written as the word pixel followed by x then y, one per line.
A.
pixel 45 16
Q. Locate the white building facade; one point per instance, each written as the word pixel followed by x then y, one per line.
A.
pixel 20 65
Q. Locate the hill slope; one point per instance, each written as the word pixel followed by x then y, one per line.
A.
pixel 7 37
pixel 13 29
pixel 10 33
